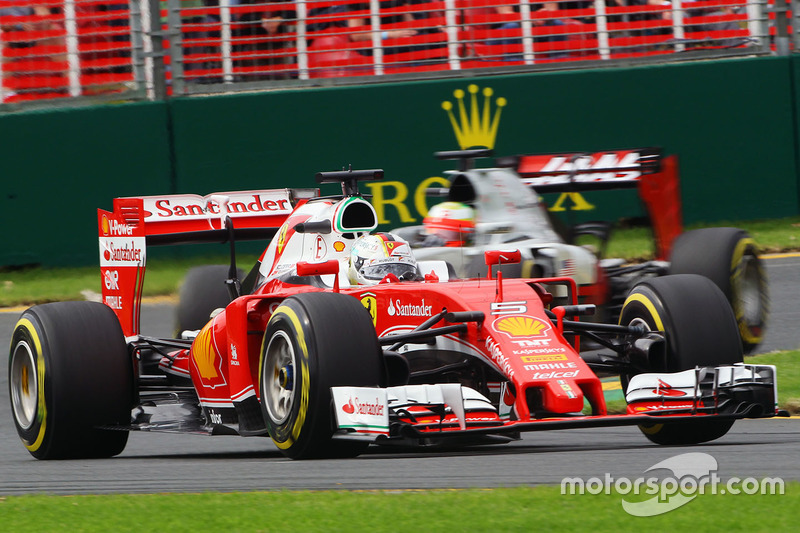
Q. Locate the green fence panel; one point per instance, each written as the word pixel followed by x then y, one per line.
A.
pixel 60 166
pixel 730 123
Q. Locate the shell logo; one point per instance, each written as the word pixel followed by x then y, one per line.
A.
pixel 105 225
pixel 206 359
pixel 203 354
pixel 521 326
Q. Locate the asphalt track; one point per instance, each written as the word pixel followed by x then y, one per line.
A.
pixel 154 463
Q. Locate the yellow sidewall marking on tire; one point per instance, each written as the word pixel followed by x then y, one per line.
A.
pixel 41 411
pixel 304 392
pixel 645 301
pixel 652 430
pixel 527 268
pixel 738 253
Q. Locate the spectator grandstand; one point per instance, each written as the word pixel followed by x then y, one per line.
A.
pixel 79 49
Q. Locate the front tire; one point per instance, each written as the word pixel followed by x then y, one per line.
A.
pixel 729 258
pixel 313 342
pixel 700 330
pixel 68 374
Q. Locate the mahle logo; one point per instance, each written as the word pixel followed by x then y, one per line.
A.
pixel 478 126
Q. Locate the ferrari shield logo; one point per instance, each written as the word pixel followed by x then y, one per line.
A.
pixel 282 237
pixel 371 304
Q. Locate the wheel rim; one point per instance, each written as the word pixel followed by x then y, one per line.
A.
pixel 750 291
pixel 640 322
pixel 24 385
pixel 278 377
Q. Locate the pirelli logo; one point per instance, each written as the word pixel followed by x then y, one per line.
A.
pixel 544 358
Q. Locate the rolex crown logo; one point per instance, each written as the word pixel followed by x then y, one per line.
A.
pixel 478 126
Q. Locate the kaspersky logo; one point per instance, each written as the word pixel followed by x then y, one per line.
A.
pixel 476 126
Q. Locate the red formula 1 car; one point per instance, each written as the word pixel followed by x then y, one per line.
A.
pixel 325 367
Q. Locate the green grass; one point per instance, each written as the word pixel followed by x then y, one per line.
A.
pixel 30 286
pixel 541 508
pixel 772 236
pixel 39 285
pixel 788 367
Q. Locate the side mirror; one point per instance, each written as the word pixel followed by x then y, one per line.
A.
pixel 501 257
pixel 304 268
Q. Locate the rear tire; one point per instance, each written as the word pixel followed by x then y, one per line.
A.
pixel 313 342
pixel 68 374
pixel 203 290
pixel 729 258
pixel 700 330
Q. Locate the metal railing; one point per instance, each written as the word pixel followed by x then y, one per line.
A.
pixel 72 50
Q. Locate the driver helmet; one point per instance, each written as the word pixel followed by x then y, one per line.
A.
pixel 452 222
pixel 373 257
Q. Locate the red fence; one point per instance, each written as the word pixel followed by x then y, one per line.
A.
pixel 71 48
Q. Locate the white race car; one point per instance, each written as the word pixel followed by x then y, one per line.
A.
pixel 509 214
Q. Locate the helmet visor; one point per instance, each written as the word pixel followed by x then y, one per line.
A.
pixel 376 272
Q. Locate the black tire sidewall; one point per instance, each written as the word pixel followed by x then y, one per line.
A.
pixel 699 324
pixel 701 331
pixel 335 344
pixel 717 254
pixel 88 380
pixel 34 438
pixel 203 290
pixel 289 435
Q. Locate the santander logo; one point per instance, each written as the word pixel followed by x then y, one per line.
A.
pixel 349 408
pixel 374 408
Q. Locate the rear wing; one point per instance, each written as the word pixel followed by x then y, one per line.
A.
pixel 137 222
pixel 573 172
pixel 654 175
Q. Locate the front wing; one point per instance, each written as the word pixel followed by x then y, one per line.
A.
pixel 450 410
